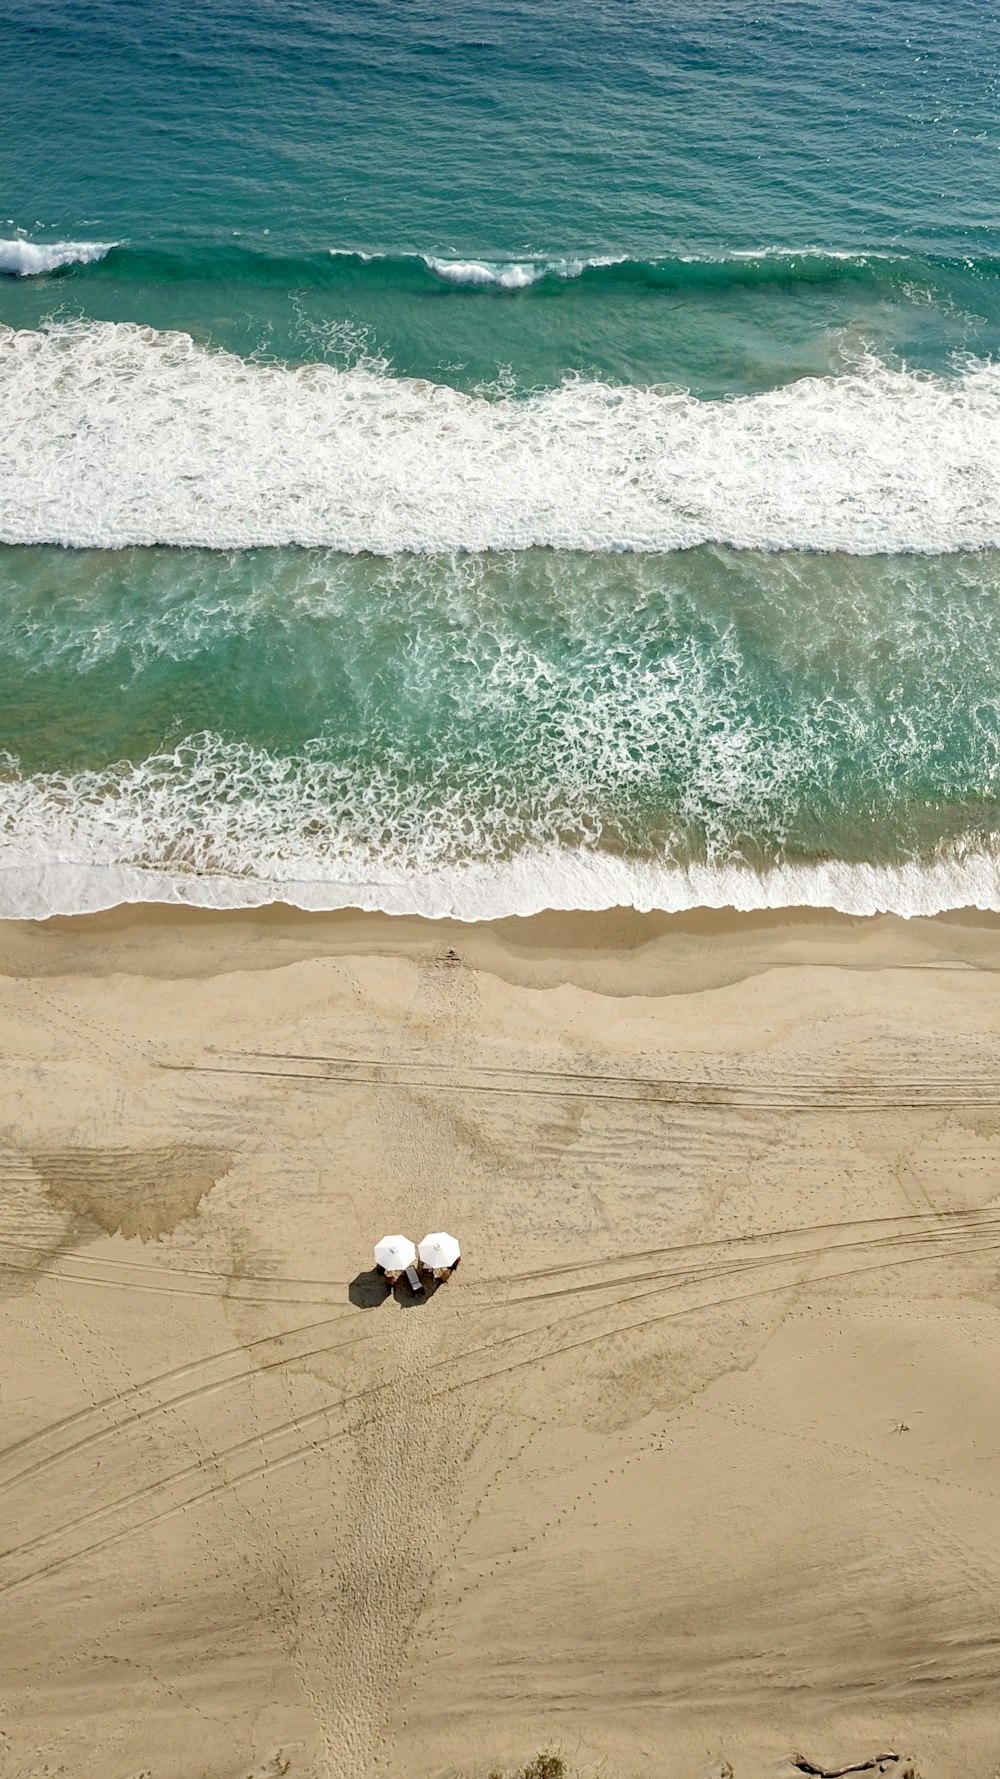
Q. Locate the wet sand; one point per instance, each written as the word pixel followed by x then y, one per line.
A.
pixel 695 1460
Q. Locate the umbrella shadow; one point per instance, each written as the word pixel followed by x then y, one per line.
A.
pixel 408 1299
pixel 369 1289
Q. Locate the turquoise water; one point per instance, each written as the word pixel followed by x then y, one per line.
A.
pixel 477 459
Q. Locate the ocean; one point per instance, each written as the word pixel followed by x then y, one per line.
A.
pixel 467 459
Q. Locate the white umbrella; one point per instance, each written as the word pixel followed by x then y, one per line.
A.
pixel 438 1253
pixel 394 1253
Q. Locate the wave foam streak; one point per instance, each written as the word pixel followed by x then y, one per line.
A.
pixel 484 737
pixel 67 850
pixel 116 434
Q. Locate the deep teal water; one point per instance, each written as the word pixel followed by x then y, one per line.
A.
pixel 615 390
pixel 471 128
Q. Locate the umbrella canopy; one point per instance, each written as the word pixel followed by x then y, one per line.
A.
pixel 394 1253
pixel 438 1252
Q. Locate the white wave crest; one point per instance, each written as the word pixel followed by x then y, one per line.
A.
pixel 27 259
pixel 116 434
pixel 860 254
pixel 478 274
pixel 511 274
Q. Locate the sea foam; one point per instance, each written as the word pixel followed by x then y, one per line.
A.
pixel 217 824
pixel 29 259
pixel 117 434
pixel 33 887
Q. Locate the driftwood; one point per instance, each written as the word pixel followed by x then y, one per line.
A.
pixel 873 1765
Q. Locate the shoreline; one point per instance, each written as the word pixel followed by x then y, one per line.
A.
pixel 551 881
pixel 616 950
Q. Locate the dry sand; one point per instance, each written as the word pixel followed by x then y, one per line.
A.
pixel 695 1461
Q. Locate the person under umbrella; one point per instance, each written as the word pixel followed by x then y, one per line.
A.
pixel 439 1254
pixel 393 1254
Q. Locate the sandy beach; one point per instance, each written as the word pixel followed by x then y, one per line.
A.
pixel 692 1467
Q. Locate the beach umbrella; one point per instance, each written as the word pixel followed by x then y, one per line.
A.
pixel 438 1253
pixel 394 1253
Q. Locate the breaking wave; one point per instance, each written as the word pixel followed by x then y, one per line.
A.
pixel 880 271
pixel 29 259
pixel 117 434
pixel 476 274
